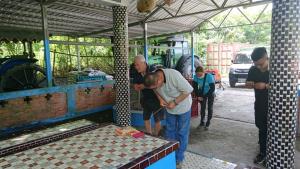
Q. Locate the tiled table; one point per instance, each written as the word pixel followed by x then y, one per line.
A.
pixel 44 133
pixel 90 146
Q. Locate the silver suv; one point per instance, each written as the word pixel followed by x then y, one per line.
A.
pixel 240 68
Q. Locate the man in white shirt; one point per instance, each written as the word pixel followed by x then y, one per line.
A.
pixel 174 93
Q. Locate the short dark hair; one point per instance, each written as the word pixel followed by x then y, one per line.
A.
pixel 150 79
pixel 199 69
pixel 258 53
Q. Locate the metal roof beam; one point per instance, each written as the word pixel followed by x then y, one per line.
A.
pixel 225 17
pixel 166 34
pixel 193 29
pixel 79 43
pixel 224 3
pixel 154 12
pixel 139 29
pixel 129 25
pixel 215 3
pixel 167 11
pixel 244 15
pixel 261 13
pixel 182 13
pixel 180 7
pixel 109 29
pixel 211 23
pixel 268 22
pixel 212 10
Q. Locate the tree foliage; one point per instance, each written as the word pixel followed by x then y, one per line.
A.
pixel 237 27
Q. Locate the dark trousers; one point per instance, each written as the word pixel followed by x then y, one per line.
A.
pixel 262 132
pixel 210 102
pixel 261 124
pixel 261 111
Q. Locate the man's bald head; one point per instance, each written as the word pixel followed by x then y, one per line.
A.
pixel 140 64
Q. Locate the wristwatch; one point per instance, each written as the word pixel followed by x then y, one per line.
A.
pixel 175 102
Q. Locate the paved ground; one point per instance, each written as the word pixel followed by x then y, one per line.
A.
pixel 232 135
pixel 195 161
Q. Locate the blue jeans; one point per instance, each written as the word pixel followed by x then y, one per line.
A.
pixel 178 129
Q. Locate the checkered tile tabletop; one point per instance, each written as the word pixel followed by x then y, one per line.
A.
pixel 99 148
pixel 43 133
pixel 195 161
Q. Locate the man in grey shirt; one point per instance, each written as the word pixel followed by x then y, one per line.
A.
pixel 174 93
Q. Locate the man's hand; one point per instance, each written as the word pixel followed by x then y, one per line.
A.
pixel 163 103
pixel 249 84
pixel 138 87
pixel 260 85
pixel 200 98
pixel 171 105
pixel 268 86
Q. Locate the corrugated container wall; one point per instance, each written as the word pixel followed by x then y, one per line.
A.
pixel 219 55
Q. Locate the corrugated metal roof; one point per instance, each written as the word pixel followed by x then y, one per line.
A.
pixel 80 17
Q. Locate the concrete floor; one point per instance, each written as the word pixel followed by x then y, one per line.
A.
pixel 232 135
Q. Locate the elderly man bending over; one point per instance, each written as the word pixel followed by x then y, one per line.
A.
pixel 149 101
pixel 174 92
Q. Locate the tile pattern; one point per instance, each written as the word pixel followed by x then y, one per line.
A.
pixel 285 51
pixel 120 29
pixel 195 161
pixel 46 140
pixel 43 133
pixel 99 148
pixel 244 166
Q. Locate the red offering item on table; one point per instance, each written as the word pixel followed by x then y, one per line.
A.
pixel 138 134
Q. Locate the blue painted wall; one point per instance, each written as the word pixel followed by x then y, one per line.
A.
pixel 70 90
pixel 168 162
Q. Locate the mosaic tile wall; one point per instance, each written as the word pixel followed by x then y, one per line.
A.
pixel 283 78
pixel 120 30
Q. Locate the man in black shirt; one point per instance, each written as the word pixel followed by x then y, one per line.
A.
pixel 258 79
pixel 149 100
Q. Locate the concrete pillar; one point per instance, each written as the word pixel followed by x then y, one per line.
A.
pixel 284 58
pixel 120 29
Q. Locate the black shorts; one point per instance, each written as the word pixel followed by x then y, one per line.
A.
pixel 158 116
pixel 150 107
